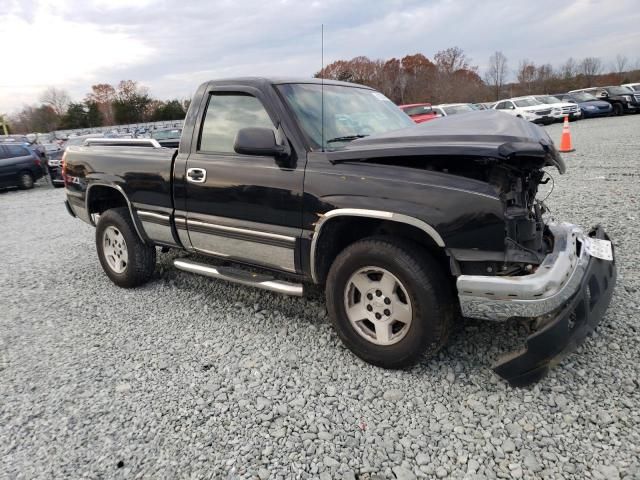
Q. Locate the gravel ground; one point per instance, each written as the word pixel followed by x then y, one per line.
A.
pixel 193 378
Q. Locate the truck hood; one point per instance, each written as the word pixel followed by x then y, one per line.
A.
pixel 489 134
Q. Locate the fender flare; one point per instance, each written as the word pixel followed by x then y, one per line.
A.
pixel 377 214
pixel 119 189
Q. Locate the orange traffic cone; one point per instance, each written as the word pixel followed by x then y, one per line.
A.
pixel 565 141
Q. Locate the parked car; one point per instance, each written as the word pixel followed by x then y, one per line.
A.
pixel 419 112
pixel 446 109
pixel 169 137
pixel 20 166
pixel 560 108
pixel 54 164
pixel 622 99
pixel 402 224
pixel 527 108
pixel 589 105
pixel 633 86
pixel 480 106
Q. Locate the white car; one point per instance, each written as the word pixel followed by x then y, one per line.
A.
pixel 446 109
pixel 633 86
pixel 567 109
pixel 529 109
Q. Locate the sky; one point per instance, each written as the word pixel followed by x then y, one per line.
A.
pixel 172 46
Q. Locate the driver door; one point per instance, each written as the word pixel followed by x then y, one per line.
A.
pixel 246 208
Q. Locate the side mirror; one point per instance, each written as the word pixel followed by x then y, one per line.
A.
pixel 257 141
pixel 604 94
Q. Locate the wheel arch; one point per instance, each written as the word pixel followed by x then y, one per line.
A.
pixel 101 197
pixel 339 228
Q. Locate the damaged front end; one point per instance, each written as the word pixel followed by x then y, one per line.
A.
pixel 567 296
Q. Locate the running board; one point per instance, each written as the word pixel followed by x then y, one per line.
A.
pixel 235 275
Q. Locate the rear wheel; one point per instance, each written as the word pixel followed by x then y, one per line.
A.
pixel 389 301
pixel 124 258
pixel 25 180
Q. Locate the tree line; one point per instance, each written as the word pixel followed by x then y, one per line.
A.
pixel 105 105
pixel 451 76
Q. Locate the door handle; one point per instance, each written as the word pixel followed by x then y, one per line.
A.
pixel 196 175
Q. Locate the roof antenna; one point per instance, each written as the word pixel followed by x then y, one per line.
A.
pixel 322 83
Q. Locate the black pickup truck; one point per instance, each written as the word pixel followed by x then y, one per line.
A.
pixel 406 226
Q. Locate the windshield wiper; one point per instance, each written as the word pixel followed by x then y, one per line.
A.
pixel 347 138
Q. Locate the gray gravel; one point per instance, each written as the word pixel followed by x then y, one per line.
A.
pixel 193 378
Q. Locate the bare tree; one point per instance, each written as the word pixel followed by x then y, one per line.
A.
pixel 57 99
pixel 526 74
pixel 590 67
pixel 569 69
pixel 497 73
pixel 621 64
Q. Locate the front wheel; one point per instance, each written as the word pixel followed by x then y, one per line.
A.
pixel 126 260
pixel 618 109
pixel 389 302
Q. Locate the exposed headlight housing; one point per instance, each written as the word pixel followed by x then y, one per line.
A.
pixel 627 98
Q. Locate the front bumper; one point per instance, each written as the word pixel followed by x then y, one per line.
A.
pixel 568 296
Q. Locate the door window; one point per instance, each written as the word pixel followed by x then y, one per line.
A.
pixel 226 114
pixel 16 151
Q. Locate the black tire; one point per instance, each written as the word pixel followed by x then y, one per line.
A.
pixel 58 185
pixel 25 180
pixel 427 288
pixel 141 258
pixel 618 109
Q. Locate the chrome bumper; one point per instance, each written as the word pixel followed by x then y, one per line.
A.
pixel 555 281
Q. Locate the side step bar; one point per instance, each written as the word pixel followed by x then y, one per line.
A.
pixel 235 275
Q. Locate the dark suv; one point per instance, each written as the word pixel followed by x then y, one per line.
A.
pixel 622 99
pixel 19 166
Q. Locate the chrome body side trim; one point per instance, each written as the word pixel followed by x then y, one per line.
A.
pixel 159 216
pixel 554 282
pixel 242 244
pixel 157 226
pixel 256 233
pixel 378 214
pixel 240 277
pixel 119 189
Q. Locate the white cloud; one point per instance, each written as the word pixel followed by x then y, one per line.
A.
pixel 50 50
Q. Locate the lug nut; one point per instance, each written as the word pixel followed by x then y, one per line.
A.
pixel 378 316
pixel 369 307
pixel 387 312
pixel 387 301
pixel 378 293
pixel 369 296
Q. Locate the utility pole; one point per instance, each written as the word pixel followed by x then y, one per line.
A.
pixel 4 126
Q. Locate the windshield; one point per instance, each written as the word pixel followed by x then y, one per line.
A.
pixel 526 102
pixel 418 110
pixel 349 113
pixel 166 134
pixel 583 97
pixel 618 90
pixel 548 99
pixel 452 110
